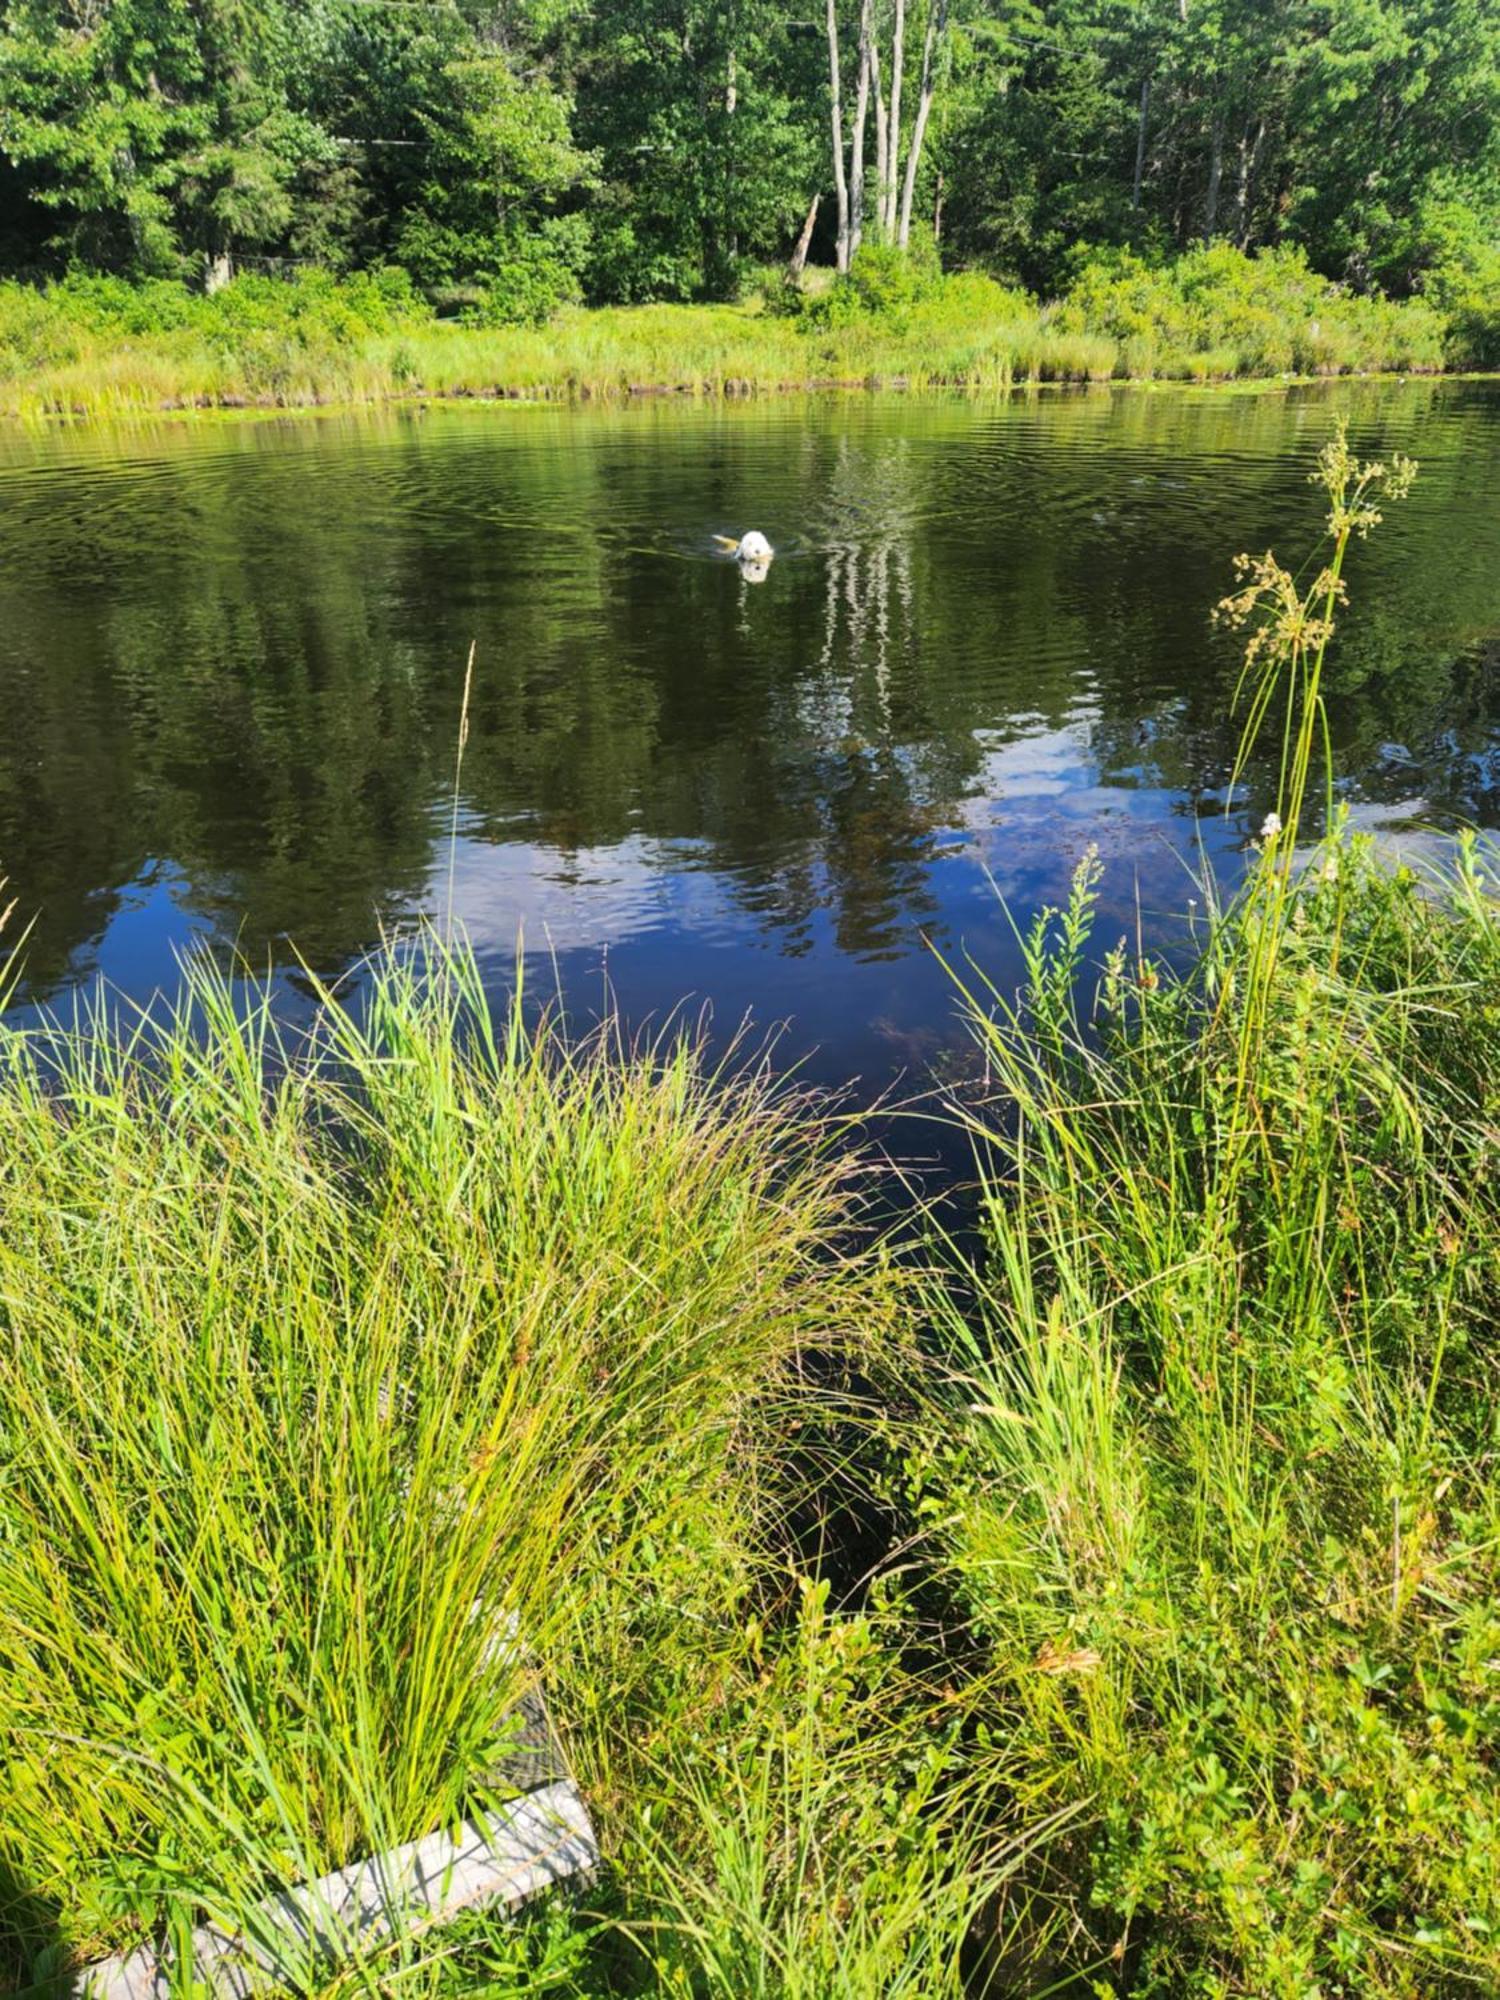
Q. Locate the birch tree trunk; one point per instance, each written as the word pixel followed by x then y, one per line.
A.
pixel 898 59
pixel 937 21
pixel 1215 176
pixel 1140 144
pixel 857 136
pixel 883 167
pixel 836 120
pixel 731 199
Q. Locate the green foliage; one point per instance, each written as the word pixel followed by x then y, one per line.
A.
pixel 707 124
pixel 435 1324
pixel 94 343
pixel 156 137
pixel 1225 1512
pixel 1224 1502
pixel 1334 128
pixel 1218 311
pixel 539 275
pixel 1465 287
pixel 882 281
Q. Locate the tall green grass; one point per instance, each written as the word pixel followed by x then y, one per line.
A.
pixel 1226 1509
pixel 321 1366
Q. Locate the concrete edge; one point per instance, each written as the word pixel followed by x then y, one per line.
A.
pixel 540 1839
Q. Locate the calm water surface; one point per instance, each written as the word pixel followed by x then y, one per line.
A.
pixel 232 658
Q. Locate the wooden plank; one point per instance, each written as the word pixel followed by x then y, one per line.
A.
pixel 539 1840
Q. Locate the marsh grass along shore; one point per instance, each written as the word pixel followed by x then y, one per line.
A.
pixel 1172 1666
pixel 101 347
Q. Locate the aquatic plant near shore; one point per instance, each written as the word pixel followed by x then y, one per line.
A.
pixel 1226 1501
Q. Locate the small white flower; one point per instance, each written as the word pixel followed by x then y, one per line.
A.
pixel 1270 826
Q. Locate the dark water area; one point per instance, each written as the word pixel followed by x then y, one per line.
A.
pixel 232 659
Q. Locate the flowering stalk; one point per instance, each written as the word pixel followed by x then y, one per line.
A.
pixel 1289 630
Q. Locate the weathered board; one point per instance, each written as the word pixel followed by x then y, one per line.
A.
pixel 542 1838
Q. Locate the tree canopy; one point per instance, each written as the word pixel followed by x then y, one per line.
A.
pixel 520 152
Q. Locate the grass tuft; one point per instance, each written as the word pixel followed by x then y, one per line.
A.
pixel 319 1366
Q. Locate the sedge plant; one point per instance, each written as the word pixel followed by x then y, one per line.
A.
pixel 357 1384
pixel 322 1365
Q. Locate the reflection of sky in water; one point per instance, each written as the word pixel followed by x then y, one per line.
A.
pixel 230 667
pixel 656 922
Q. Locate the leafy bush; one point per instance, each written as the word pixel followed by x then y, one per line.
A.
pixel 314 306
pixel 882 282
pixel 538 275
pixel 1218 311
pixel 34 335
pixel 1467 292
pixel 118 306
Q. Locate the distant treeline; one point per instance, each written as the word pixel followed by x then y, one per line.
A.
pixel 515 154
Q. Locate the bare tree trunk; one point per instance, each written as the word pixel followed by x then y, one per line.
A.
pixel 898 61
pixel 1215 175
pixel 1140 144
pixel 731 101
pixel 857 136
pixel 1249 167
pixel 882 136
pixel 937 21
pixel 937 212
pixel 804 242
pixel 836 119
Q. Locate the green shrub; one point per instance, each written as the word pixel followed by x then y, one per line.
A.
pixel 1217 311
pixel 537 277
pixel 118 306
pixel 883 282
pixel 34 335
pixel 1466 291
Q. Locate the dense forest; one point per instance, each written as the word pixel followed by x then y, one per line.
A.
pixel 514 154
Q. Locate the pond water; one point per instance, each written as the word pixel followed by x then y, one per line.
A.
pixel 232 658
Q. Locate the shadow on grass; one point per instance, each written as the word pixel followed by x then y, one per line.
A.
pixel 33 1953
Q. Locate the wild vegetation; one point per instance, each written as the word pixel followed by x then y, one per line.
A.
pixel 1223 1498
pixel 626 152
pixel 1114 1612
pixel 516 161
pixel 103 347
pixel 321 1367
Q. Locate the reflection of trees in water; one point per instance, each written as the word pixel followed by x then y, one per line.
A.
pixel 869 524
pixel 231 719
pixel 1413 729
pixel 871 824
pixel 251 668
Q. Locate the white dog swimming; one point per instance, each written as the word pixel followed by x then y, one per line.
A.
pixel 751 548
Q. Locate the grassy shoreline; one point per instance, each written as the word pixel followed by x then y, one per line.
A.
pixel 97 348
